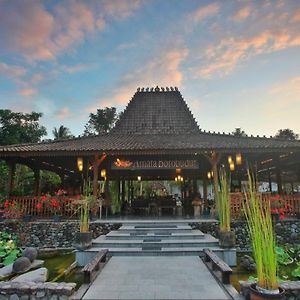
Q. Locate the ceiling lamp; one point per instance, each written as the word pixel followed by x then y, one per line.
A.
pixel 238 158
pixel 209 175
pixel 80 163
pixel 231 166
pixel 229 159
pixel 139 178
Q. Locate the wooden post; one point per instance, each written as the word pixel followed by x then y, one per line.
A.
pixel 214 158
pixel 11 174
pixel 96 163
pixel 36 182
pixel 205 191
pixel 279 181
pixel 270 180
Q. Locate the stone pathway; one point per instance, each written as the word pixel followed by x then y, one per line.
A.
pixel 155 277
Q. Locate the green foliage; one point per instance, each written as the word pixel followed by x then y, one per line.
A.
pixel 101 122
pixel 9 251
pixel 62 133
pixel 288 258
pixel 87 200
pixel 17 127
pixel 114 195
pixel 259 222
pixel 287 134
pixel 224 201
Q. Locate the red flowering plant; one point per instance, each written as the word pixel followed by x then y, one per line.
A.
pixel 12 210
pixel 53 203
pixel 278 206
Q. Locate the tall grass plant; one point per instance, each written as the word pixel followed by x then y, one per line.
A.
pixel 260 227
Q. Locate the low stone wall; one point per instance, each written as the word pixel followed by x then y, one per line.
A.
pixel 32 290
pixel 49 234
pixel 287 232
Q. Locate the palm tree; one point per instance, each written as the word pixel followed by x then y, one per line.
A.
pixel 62 133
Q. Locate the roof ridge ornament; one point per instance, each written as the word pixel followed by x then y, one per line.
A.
pixel 157 89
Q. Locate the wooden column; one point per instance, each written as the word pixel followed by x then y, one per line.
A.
pixel 270 180
pixel 96 163
pixel 214 158
pixel 11 174
pixel 205 191
pixel 36 182
pixel 279 181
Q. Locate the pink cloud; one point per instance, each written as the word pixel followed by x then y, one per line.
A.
pixel 296 16
pixel 12 71
pixel 29 29
pixel 62 114
pixel 28 92
pixel 224 57
pixel 163 70
pixel 241 14
pixel 204 12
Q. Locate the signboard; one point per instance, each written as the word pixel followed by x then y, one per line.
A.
pixel 120 164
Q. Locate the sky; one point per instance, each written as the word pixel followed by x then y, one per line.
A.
pixel 236 63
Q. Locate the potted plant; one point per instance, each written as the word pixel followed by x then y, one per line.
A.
pixel 260 227
pixel 83 238
pixel 226 235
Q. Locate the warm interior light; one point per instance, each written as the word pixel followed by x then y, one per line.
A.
pixel 238 158
pixel 229 159
pixel 231 166
pixel 139 178
pixel 103 173
pixel 208 175
pixel 80 163
pixel 176 179
pixel 181 178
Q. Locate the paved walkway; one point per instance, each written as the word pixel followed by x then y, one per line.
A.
pixel 160 277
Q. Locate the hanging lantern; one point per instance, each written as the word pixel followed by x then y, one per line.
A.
pixel 231 166
pixel 139 178
pixel 181 178
pixel 80 163
pixel 229 159
pixel 103 173
pixel 176 179
pixel 212 173
pixel 209 175
pixel 238 158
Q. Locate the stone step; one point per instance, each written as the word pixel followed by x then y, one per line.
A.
pixel 228 255
pixel 117 235
pixel 164 229
pixel 208 241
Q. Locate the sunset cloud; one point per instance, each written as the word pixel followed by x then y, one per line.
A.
pixel 223 58
pixel 42 35
pixel 204 12
pixel 28 92
pixel 241 14
pixel 62 114
pixel 12 71
pixel 162 71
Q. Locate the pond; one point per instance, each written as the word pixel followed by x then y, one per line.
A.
pixel 58 263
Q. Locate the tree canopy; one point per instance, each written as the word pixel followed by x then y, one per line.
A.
pixel 62 133
pixel 101 122
pixel 17 127
pixel 287 134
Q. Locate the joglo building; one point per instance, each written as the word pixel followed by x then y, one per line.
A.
pixel 158 160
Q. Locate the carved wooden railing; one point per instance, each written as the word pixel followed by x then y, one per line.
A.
pixel 28 206
pixel 291 204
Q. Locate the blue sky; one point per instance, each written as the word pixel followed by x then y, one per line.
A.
pixel 237 63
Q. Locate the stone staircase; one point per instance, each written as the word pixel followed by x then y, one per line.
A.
pixel 157 239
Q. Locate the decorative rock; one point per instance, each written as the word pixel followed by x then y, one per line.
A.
pixel 22 264
pixel 40 294
pixel 39 275
pixel 14 297
pixel 31 253
pixel 53 297
pixel 24 297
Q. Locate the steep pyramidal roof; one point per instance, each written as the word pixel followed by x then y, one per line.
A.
pixel 156 111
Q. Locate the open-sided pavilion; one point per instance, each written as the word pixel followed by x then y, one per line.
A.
pixel 157 138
